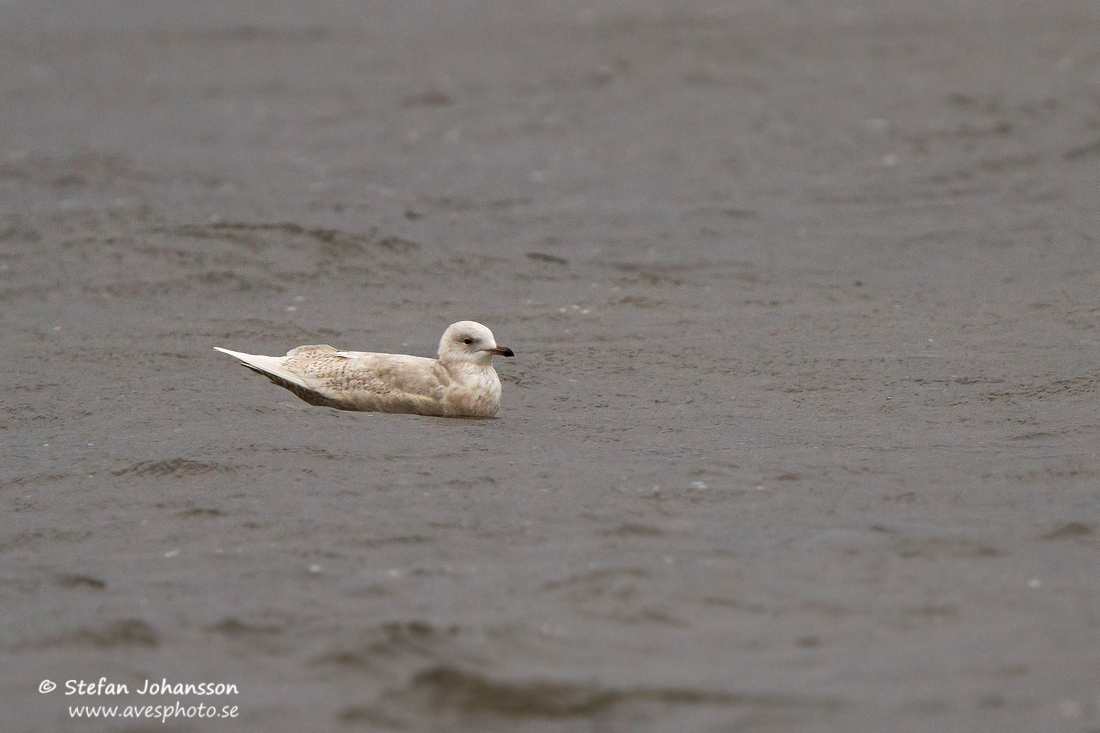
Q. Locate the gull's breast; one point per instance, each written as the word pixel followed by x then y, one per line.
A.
pixel 475 392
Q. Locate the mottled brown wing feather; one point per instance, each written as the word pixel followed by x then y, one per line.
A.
pixel 367 381
pixel 309 395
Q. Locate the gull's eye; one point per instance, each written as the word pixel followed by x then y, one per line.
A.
pixel 467 340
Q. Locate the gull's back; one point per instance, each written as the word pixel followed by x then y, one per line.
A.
pixel 362 380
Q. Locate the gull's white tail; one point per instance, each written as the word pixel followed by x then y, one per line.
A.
pixel 267 365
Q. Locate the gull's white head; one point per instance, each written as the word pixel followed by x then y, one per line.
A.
pixel 470 341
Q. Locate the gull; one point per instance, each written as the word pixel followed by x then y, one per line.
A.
pixel 460 383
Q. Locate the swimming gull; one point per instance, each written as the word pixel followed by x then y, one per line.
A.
pixel 460 383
